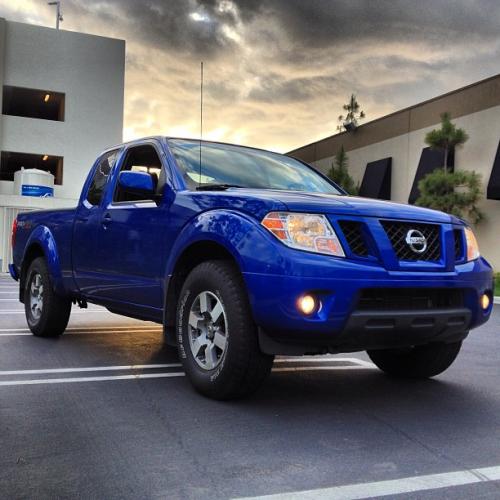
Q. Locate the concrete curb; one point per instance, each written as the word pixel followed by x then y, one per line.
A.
pixel 496 300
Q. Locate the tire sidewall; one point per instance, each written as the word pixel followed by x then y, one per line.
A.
pixel 187 298
pixel 37 267
pixel 225 378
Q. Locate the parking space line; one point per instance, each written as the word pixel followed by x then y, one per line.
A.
pixel 316 359
pixel 85 332
pixel 133 376
pixel 320 368
pixel 94 328
pixel 411 484
pixel 90 379
pixel 90 369
pixel 83 311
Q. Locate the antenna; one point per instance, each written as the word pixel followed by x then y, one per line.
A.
pixel 201 114
pixel 59 16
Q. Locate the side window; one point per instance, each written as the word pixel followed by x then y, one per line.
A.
pixel 101 174
pixel 141 159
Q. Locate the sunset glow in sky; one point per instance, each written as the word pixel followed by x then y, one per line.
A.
pixel 278 71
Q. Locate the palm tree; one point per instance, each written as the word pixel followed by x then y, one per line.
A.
pixel 353 114
pixel 446 138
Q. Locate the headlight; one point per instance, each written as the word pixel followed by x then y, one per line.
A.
pixel 304 231
pixel 472 246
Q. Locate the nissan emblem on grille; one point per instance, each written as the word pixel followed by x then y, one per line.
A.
pixel 416 241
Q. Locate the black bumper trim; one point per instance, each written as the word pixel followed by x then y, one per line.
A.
pixel 379 330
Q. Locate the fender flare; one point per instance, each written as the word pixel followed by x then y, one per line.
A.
pixel 238 233
pixel 42 237
pixel 250 245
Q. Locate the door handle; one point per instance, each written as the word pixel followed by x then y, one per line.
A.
pixel 106 220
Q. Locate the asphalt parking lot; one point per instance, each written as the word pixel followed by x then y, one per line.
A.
pixel 105 412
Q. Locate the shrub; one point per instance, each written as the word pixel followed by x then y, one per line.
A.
pixel 339 172
pixel 456 193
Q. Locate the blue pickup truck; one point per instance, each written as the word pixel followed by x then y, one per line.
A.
pixel 243 254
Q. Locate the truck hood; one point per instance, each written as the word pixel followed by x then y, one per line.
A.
pixel 296 201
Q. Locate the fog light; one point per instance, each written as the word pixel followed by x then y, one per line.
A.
pixel 485 301
pixel 307 304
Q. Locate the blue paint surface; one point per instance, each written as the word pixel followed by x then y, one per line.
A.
pixel 124 255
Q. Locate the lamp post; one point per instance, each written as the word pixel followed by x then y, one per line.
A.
pixel 59 16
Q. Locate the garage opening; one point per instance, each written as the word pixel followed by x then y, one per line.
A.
pixel 33 103
pixel 11 162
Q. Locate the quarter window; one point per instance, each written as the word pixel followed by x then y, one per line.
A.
pixel 101 175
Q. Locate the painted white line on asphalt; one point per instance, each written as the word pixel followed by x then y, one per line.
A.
pixel 90 379
pixel 9 300
pixel 21 311
pixel 90 369
pixel 320 368
pixel 321 359
pixel 391 487
pixel 94 328
pixel 151 375
pixel 98 332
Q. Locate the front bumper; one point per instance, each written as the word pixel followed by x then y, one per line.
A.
pixel 340 327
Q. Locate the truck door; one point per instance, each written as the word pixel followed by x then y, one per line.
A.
pixel 134 232
pixel 86 246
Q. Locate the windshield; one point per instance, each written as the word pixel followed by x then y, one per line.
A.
pixel 222 164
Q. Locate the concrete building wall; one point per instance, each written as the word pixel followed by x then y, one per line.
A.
pixel 398 137
pixel 89 70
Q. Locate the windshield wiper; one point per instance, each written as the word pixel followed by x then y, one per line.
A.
pixel 216 187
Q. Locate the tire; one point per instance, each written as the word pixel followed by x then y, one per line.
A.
pixel 216 334
pixel 47 314
pixel 416 362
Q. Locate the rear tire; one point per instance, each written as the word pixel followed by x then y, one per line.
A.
pixel 416 362
pixel 216 334
pixel 47 314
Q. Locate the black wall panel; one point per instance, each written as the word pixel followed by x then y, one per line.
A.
pixel 493 191
pixel 430 159
pixel 376 182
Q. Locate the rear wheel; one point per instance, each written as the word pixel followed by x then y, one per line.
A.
pixel 416 362
pixel 47 314
pixel 217 336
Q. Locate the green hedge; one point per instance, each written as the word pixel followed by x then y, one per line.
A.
pixel 497 284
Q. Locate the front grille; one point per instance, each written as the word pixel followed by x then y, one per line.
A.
pixel 353 233
pixel 414 299
pixel 459 244
pixel 397 233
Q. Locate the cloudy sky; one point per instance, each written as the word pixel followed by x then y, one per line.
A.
pixel 278 71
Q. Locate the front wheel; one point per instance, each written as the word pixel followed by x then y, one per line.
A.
pixel 416 362
pixel 47 314
pixel 216 334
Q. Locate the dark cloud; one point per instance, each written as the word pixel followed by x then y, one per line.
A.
pixel 274 88
pixel 278 71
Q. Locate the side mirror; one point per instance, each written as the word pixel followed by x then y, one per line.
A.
pixel 139 183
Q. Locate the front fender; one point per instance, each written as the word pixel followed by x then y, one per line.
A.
pixel 44 239
pixel 253 248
